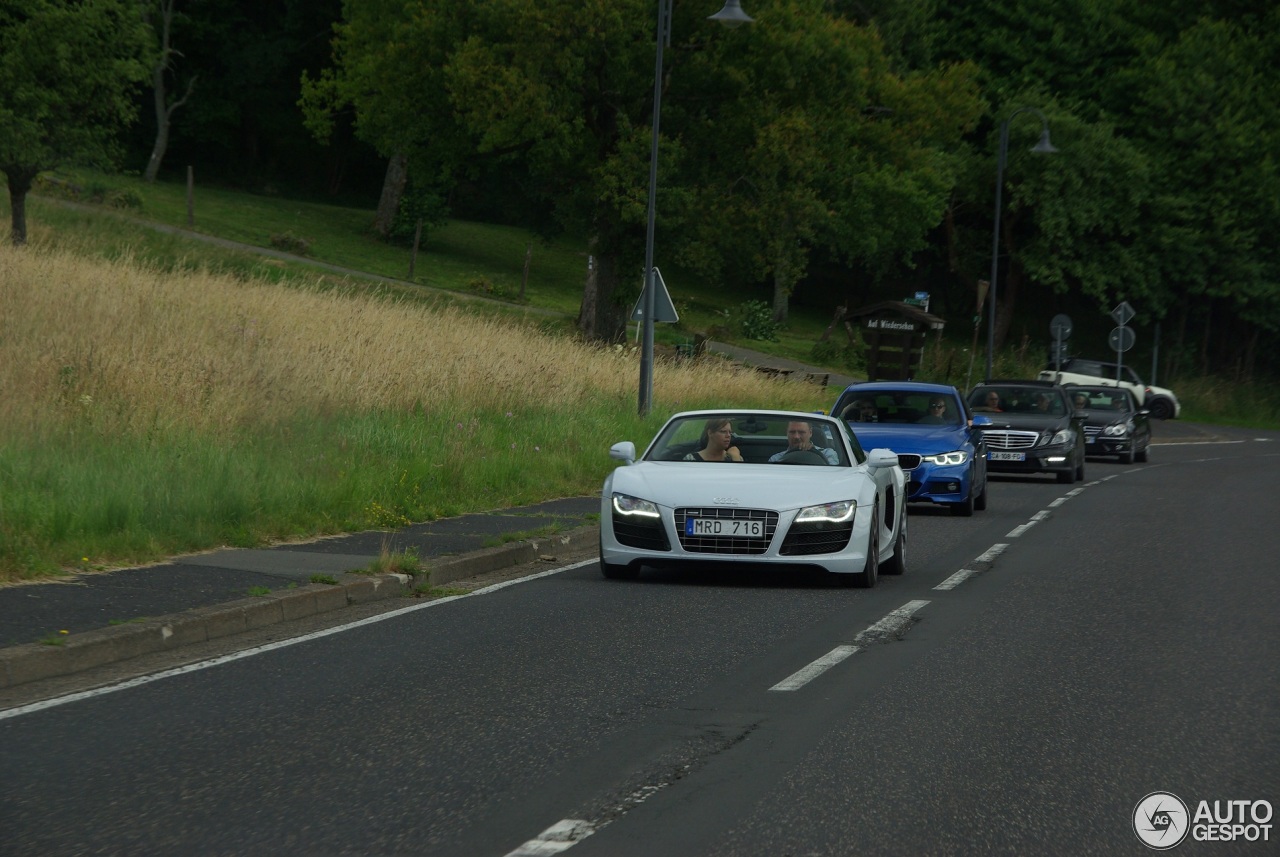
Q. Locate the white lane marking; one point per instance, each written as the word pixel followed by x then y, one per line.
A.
pixel 956 579
pixel 556 838
pixel 1056 503
pixel 1040 516
pixel 804 675
pixel 1017 531
pixel 270 647
pixel 889 624
pixel 1073 492
pixel 894 620
pixel 965 573
pixel 992 552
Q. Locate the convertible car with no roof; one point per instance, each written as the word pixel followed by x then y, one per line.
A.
pixel 739 488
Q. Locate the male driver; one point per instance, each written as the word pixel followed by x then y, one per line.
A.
pixel 800 436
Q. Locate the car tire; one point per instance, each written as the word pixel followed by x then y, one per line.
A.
pixel 897 564
pixel 980 503
pixel 1078 476
pixel 1128 456
pixel 965 507
pixel 1142 455
pixel 1161 409
pixel 866 579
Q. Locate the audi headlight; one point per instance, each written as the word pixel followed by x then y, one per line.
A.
pixel 959 456
pixel 833 513
pixel 626 505
pixel 1117 430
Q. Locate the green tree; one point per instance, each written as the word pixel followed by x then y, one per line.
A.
pixel 777 137
pixel 826 148
pixel 68 74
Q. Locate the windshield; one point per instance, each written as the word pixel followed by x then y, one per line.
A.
pixel 1015 399
pixel 750 438
pixel 901 407
pixel 1113 399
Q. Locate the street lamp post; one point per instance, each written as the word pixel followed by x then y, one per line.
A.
pixel 730 16
pixel 1044 147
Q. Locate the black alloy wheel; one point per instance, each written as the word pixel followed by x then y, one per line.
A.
pixel 897 564
pixel 1161 409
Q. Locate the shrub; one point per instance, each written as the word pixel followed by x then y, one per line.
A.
pixel 758 323
pixel 124 198
pixel 290 243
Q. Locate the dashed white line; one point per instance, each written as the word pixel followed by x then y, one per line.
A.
pixel 1019 530
pixel 804 675
pixel 956 579
pixel 891 623
pixel 894 620
pixel 992 552
pixel 558 837
pixel 1040 516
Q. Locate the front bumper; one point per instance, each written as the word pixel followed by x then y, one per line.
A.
pixel 941 484
pixel 1044 459
pixel 1109 446
pixel 664 542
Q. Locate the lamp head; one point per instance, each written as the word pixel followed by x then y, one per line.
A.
pixel 1044 147
pixel 731 15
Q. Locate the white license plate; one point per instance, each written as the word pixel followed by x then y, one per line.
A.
pixel 1006 456
pixel 718 527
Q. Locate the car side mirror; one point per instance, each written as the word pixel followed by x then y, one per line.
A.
pixel 623 451
pixel 882 458
pixel 982 421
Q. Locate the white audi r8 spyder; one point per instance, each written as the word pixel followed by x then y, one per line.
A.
pixel 783 489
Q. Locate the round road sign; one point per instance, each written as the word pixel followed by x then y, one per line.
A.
pixel 1121 338
pixel 1060 327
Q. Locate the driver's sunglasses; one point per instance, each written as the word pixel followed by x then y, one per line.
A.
pixel 938 405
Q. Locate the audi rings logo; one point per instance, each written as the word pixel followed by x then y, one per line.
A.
pixel 1161 820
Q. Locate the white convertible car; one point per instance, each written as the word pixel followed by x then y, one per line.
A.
pixel 783 489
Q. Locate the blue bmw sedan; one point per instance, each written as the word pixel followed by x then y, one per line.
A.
pixel 933 432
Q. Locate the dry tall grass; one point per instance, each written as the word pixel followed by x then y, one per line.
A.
pixel 146 413
pixel 132 348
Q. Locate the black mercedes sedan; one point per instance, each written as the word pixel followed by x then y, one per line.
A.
pixel 1114 424
pixel 1034 428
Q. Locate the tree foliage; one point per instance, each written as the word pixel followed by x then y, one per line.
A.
pixel 68 74
pixel 775 137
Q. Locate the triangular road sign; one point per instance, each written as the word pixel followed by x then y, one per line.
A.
pixel 663 308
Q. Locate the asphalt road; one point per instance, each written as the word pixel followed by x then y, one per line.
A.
pixel 1122 642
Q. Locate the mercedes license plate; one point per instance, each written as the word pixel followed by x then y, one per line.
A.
pixel 718 527
pixel 1006 456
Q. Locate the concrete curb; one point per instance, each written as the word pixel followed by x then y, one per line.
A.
pixel 448 569
pixel 78 652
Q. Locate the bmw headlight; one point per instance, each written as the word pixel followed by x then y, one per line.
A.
pixel 626 505
pixel 1117 430
pixel 827 513
pixel 958 456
